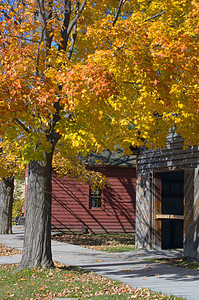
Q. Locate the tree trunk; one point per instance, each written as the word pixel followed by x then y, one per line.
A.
pixel 6 204
pixel 37 237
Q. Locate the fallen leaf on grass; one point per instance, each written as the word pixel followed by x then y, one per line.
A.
pixel 50 273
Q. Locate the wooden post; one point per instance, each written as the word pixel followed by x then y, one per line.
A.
pixel 191 215
pixel 158 210
pixel 143 226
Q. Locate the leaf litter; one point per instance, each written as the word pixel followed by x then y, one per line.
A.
pixel 66 282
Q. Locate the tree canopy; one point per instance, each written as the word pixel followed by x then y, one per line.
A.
pixel 97 74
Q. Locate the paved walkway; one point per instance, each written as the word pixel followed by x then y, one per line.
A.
pixel 128 267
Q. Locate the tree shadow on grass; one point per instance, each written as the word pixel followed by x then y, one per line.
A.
pixel 96 239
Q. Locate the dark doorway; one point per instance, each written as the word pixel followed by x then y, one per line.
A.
pixel 172 194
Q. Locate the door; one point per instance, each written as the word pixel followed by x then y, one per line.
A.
pixel 171 209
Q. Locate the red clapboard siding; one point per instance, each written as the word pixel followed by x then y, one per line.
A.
pixel 70 205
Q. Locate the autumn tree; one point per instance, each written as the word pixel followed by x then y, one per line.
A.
pixel 81 76
pixel 10 165
pixel 6 203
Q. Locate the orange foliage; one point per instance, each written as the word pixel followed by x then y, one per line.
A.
pixel 124 84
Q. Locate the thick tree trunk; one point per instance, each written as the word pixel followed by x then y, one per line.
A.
pixel 6 204
pixel 37 237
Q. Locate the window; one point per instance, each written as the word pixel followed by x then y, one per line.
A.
pixel 95 197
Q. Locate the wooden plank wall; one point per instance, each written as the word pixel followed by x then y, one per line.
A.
pixel 173 157
pixel 70 207
pixel 191 215
pixel 151 162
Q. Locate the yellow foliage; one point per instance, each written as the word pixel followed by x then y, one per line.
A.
pixel 10 159
pixel 75 168
pixel 130 79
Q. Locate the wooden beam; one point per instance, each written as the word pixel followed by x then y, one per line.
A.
pixel 171 217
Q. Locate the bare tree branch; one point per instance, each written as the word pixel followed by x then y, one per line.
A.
pixel 71 25
pixel 21 124
pixel 38 52
pixel 44 15
pixel 131 82
pixel 118 11
pixel 74 35
pixel 66 21
pixel 21 38
pixel 155 16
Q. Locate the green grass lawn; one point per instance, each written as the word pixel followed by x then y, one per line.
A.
pixel 102 242
pixel 178 262
pixel 65 282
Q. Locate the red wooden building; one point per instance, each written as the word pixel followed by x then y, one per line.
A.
pixel 77 207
